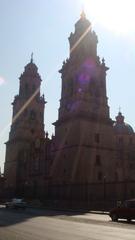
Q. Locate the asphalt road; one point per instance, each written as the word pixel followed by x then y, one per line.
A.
pixel 53 225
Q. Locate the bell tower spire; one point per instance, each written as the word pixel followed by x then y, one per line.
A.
pixel 83 15
pixel 27 123
pixel 84 111
pixel 31 58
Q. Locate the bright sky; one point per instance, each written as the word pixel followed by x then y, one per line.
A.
pixel 43 27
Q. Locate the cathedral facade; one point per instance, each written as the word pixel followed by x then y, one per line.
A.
pixel 90 158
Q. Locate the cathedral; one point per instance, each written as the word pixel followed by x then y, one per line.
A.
pixel 90 159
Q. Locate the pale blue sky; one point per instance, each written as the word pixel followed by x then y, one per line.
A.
pixel 43 27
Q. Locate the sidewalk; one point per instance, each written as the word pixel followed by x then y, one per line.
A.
pixel 94 216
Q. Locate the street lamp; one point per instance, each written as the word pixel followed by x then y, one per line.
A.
pixel 104 191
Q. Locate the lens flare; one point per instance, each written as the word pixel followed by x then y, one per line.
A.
pixel 115 15
pixel 2 81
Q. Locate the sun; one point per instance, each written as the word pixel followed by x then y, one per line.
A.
pixel 115 15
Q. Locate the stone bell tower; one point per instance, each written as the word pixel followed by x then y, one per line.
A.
pixel 83 132
pixel 27 123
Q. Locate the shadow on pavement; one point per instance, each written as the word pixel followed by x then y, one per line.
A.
pixel 14 216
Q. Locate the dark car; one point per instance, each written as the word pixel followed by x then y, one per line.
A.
pixel 125 210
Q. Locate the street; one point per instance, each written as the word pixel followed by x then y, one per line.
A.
pixel 34 224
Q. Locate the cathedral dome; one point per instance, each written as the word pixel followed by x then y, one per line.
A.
pixel 31 67
pixel 120 127
pixel 30 70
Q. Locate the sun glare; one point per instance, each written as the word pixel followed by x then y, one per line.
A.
pixel 115 15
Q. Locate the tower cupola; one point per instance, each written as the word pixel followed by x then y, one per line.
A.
pixel 120 127
pixel 83 39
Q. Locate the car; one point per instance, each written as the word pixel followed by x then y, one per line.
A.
pixel 16 203
pixel 125 210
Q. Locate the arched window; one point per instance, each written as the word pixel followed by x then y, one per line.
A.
pixel 33 88
pixel 98 160
pixel 32 115
pixel 97 138
pixel 120 140
pixel 26 89
pixel 116 176
pixel 100 176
